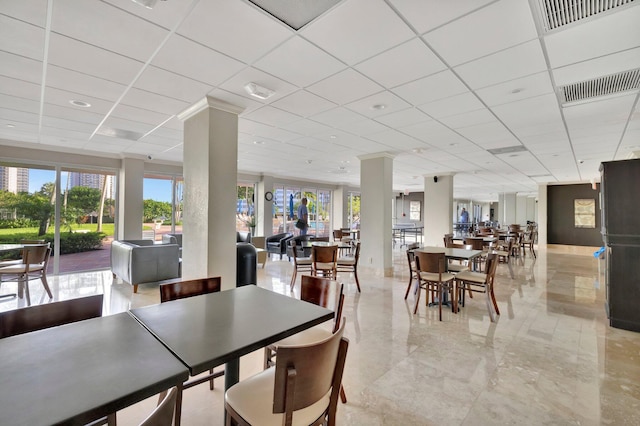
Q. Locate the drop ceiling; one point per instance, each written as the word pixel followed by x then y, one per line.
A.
pixel 448 87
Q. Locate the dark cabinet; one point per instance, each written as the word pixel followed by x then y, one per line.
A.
pixel 620 204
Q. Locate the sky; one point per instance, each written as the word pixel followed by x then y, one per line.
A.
pixel 154 189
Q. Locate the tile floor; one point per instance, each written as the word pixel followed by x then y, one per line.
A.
pixel 551 357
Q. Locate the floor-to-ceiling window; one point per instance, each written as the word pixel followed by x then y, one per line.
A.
pixel 287 199
pixel 245 207
pixel 162 205
pixel 353 218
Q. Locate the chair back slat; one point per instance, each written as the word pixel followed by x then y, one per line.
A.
pixel 325 254
pixel 38 317
pixel 178 289
pixel 316 366
pixel 431 262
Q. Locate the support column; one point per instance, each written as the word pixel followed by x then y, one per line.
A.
pixel 130 199
pixel 376 179
pixel 508 209
pixel 264 219
pixel 340 203
pixel 210 175
pixel 438 209
pixel 542 215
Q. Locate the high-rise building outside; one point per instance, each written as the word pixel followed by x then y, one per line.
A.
pixel 14 179
pixel 91 180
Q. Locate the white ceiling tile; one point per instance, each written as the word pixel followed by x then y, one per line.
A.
pixel 20 68
pixel 154 102
pixel 353 35
pixel 272 116
pixel 21 38
pixel 364 127
pixel 404 118
pixel 193 60
pixel 337 117
pixel 530 112
pixel 234 28
pixel 303 103
pixel 72 113
pixel 404 63
pixel 598 67
pixel 467 119
pixel 165 13
pixel 515 90
pixel 252 75
pixel 489 135
pixel 390 102
pixel 108 27
pixel 234 99
pixel 259 129
pixel 20 104
pixel 345 86
pixel 19 88
pixel 395 140
pixel 452 105
pixel 139 114
pixel 83 84
pixel 437 86
pixel 509 64
pixel 290 62
pixel 69 53
pixel 175 86
pixel 307 127
pixel 433 133
pixel 426 15
pixel 613 32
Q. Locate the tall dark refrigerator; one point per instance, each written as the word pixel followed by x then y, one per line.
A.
pixel 620 203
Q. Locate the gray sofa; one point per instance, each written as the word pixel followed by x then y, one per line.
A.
pixel 142 261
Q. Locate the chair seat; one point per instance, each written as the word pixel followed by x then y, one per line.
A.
pixel 476 277
pixel 20 268
pixel 454 267
pixel 310 335
pixel 324 266
pixel 351 261
pixel 252 399
pixel 431 276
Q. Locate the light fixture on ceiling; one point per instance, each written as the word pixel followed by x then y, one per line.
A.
pixel 333 136
pixel 80 104
pixel 149 4
pixel 258 142
pixel 11 125
pixel 258 91
pixel 378 107
pixel 417 150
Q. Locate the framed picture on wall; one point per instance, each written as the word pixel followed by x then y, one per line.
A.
pixel 585 213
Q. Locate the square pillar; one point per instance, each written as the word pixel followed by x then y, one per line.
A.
pixel 210 179
pixel 438 209
pixel 376 179
pixel 130 199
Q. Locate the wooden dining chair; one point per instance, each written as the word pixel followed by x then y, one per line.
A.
pixel 178 289
pixel 303 388
pixel 324 260
pixel 527 241
pixel 435 279
pixel 413 270
pixel 33 265
pixel 319 291
pixel 38 317
pixel 480 283
pixel 350 264
pixel 163 414
pixel 300 264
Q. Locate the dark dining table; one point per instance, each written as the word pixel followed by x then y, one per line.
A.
pixel 453 253
pixel 218 328
pixel 81 372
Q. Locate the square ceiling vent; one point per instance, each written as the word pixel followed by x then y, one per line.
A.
pixel 295 13
pixel 558 13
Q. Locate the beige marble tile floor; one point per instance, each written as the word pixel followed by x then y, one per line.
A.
pixel 550 359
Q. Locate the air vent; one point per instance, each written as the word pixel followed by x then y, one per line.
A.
pixel 507 150
pixel 295 13
pixel 602 86
pixel 558 13
pixel 119 133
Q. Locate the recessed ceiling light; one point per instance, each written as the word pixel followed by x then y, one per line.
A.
pixel 80 104
pixel 258 91
pixel 417 150
pixel 379 107
pixel 11 125
pixel 258 142
pixel 333 136
pixel 345 162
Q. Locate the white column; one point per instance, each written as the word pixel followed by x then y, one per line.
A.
pixel 508 208
pixel 521 209
pixel 542 215
pixel 210 176
pixel 130 196
pixel 438 209
pixel 264 219
pixel 376 179
pixel 339 211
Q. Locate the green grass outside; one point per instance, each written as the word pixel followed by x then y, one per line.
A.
pixel 107 228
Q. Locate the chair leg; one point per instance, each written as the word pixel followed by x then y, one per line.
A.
pixel 43 278
pixel 26 291
pixel 440 294
pixel 415 309
pixel 406 294
pixel 355 275
pixel 211 381
pixel 495 304
pixel 293 278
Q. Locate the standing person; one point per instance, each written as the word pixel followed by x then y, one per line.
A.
pixel 303 214
pixel 464 218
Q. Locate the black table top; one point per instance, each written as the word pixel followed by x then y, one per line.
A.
pixel 210 330
pixel 79 372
